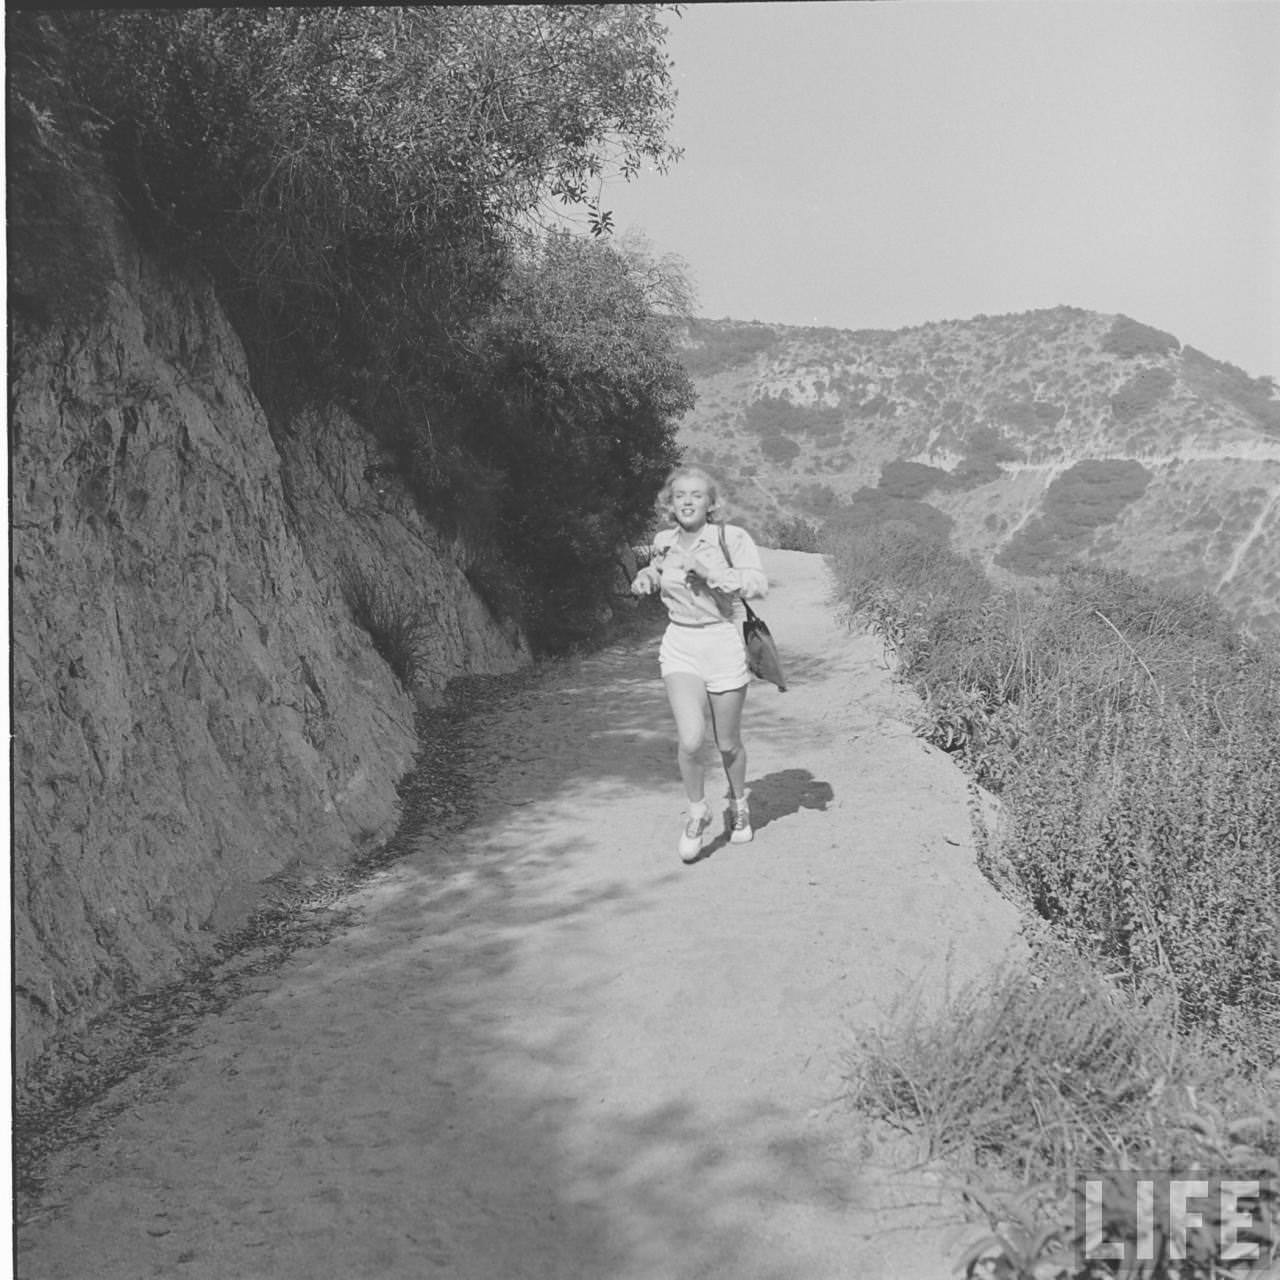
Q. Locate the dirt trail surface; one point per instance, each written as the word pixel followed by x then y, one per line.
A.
pixel 543 1047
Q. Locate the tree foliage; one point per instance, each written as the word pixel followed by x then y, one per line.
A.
pixel 369 188
pixel 389 119
pixel 581 390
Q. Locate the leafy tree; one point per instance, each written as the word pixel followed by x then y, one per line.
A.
pixel 369 189
pixel 318 160
pixel 581 388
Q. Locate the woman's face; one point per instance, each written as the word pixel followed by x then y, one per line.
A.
pixel 690 499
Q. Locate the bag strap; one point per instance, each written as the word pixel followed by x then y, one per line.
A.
pixel 724 546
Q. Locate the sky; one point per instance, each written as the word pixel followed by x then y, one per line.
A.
pixel 877 165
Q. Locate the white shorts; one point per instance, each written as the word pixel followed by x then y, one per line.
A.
pixel 714 653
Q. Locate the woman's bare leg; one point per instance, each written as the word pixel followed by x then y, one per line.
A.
pixel 688 697
pixel 726 723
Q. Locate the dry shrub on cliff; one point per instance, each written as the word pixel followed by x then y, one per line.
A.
pixel 393 620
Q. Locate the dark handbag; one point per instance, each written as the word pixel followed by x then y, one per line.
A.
pixel 762 652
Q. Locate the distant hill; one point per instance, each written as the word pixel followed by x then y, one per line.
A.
pixel 1034 440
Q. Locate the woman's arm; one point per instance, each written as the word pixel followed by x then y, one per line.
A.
pixel 646 582
pixel 747 577
pixel 649 579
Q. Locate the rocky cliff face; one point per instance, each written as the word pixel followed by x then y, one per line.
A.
pixel 195 709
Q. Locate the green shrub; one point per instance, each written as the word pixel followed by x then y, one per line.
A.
pixel 1217 378
pixel 780 450
pixel 774 416
pixel 877 406
pixel 717 345
pixel 985 449
pixel 1142 393
pixel 59 217
pixel 1128 338
pixel 868 508
pixel 815 499
pixel 1085 497
pixel 901 479
pixel 1149 836
pixel 791 533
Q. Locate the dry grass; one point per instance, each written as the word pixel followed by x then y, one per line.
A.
pixel 1026 1082
pixel 1134 738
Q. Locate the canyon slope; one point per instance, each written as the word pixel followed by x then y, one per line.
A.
pixel 1033 441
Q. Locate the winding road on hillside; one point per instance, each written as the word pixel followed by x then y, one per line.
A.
pixel 544 1048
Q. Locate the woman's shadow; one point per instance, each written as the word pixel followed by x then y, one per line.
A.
pixel 778 795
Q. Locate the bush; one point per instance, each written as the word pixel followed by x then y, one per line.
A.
pixel 791 533
pixel 815 499
pixel 780 450
pixel 900 479
pixel 1133 735
pixel 1142 393
pixel 715 346
pixel 1218 378
pixel 394 621
pixel 1025 1081
pixel 1127 338
pixel 1086 496
pixel 868 508
pixel 774 416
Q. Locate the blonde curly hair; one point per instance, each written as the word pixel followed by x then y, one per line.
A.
pixel 716 507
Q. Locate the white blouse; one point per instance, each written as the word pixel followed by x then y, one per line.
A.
pixel 691 602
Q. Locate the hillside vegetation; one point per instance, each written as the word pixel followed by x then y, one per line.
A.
pixel 1065 528
pixel 1036 441
pixel 1130 733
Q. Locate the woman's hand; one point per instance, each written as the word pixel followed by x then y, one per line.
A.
pixel 701 569
pixel 704 572
pixel 644 583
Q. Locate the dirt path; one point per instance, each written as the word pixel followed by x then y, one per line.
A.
pixel 545 1048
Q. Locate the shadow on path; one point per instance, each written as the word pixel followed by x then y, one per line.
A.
pixel 541 1048
pixel 776 796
